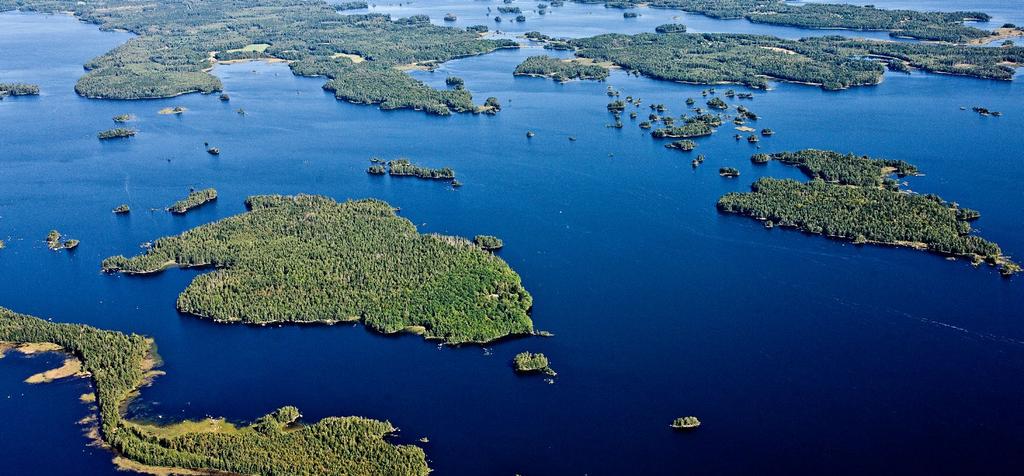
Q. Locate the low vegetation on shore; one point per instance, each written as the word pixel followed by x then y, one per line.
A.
pixel 56 242
pixel 119 364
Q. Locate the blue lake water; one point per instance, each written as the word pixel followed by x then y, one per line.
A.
pixel 799 354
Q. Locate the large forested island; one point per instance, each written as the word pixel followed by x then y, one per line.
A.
pixel 119 364
pixel 853 197
pixel 311 259
pixel 831 62
pixel 867 215
pixel 939 26
pixel 179 41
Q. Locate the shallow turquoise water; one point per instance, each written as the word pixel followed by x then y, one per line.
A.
pixel 800 354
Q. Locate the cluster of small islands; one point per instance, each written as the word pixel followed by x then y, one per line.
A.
pixel 311 259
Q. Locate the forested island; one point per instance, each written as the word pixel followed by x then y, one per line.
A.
pixel 846 169
pixel 936 26
pixel 831 62
pixel 561 70
pixel 195 198
pixel 684 145
pixel 404 168
pixel 310 34
pixel 119 364
pixel 528 362
pixel 311 259
pixel 115 133
pixel 867 215
pixel 694 126
pixel 382 84
pixel 18 89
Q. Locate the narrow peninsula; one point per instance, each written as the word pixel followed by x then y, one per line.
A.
pixel 488 242
pixel 195 199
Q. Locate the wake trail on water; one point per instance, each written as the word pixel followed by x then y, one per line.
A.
pixel 987 336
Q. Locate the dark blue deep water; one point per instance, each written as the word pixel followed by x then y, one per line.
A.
pixel 799 354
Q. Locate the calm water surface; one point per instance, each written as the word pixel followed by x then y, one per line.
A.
pixel 798 353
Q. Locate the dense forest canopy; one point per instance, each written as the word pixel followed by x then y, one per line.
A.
pixel 529 362
pixel 832 62
pixel 560 70
pixel 866 214
pixel 403 167
pixel 311 259
pixel 115 133
pixel 177 39
pixel 846 169
pixel 938 26
pixel 117 364
pixel 18 89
